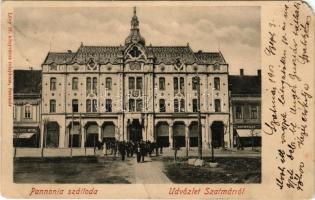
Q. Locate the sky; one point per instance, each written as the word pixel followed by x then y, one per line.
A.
pixel 235 31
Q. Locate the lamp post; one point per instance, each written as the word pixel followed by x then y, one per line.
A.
pixel 197 82
pixel 45 121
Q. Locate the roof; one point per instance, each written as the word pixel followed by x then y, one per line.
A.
pixel 245 85
pixel 209 57
pixel 27 81
pixel 112 54
pixel 169 54
pixel 59 57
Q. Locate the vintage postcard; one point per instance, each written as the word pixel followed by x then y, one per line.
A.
pixel 157 100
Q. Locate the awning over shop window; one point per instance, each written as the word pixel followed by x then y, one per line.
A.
pixel 76 130
pixel 248 132
pixel 23 135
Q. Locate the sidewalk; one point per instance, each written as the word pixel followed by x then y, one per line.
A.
pixel 248 152
pixel 150 172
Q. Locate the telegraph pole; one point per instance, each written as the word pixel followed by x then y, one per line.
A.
pixel 199 119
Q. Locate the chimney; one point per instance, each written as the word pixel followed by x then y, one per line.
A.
pixel 259 72
pixel 242 72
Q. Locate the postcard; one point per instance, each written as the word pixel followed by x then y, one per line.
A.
pixel 157 100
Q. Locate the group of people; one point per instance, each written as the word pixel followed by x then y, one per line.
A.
pixel 130 148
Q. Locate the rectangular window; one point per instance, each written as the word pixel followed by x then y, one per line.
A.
pixel 176 106
pixel 217 83
pixel 175 83
pixel 88 105
pixel 238 112
pixel 94 86
pixel 195 105
pixel 139 105
pixel 131 105
pixel 108 105
pixel 27 112
pixel 14 112
pixel 108 83
pixel 75 105
pixel 94 105
pixel 74 83
pixel 217 105
pixel 182 105
pixel 131 82
pixel 162 83
pixel 254 112
pixel 52 106
pixel 194 83
pixel 53 83
pixel 139 83
pixel 162 105
pixel 88 85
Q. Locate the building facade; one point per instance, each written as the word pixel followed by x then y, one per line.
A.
pixel 27 108
pixel 134 92
pixel 245 94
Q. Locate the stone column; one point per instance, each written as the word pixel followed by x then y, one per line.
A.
pixel 99 133
pixel 62 135
pixel 187 138
pixel 170 134
pixel 42 135
pixel 204 141
pixel 82 136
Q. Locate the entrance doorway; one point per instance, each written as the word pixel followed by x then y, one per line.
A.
pixel 91 134
pixel 179 134
pixel 162 135
pixel 217 130
pixel 74 135
pixel 52 137
pixel 135 131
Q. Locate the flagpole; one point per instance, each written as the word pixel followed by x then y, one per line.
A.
pixel 71 135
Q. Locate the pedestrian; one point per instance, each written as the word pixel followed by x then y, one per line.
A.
pixel 142 150
pixel 122 150
pixel 115 146
pixel 132 148
pixel 128 149
pixel 156 145
pixel 138 151
pixel 104 148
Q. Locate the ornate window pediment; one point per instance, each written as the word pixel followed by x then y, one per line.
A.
pixel 135 65
pixel 178 65
pixel 53 67
pixel 216 66
pixel 91 64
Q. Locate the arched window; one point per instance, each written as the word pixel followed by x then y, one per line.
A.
pixel 53 83
pixel 217 83
pixel 94 105
pixel 52 106
pixel 88 84
pixel 74 83
pixel 94 86
pixel 131 83
pixel 162 83
pixel 75 105
pixel 176 106
pixel 108 83
pixel 162 105
pixel 88 105
pixel 182 105
pixel 217 105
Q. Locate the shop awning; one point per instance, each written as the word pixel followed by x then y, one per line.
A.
pixel 248 132
pixel 23 135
